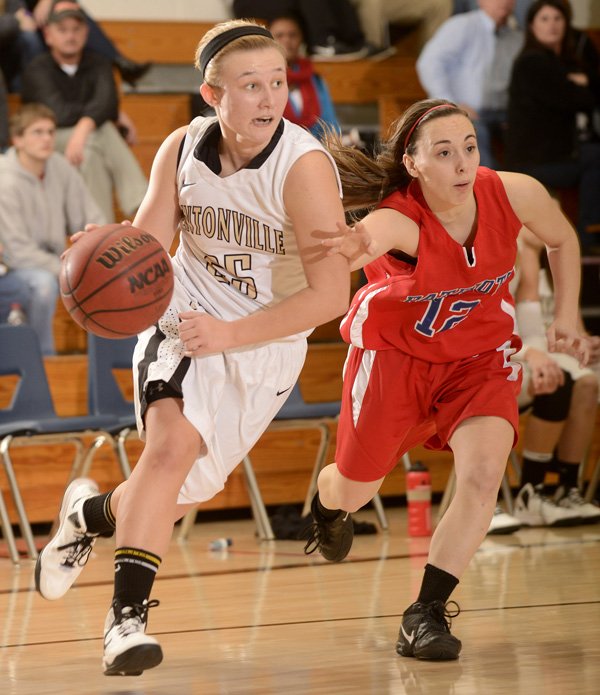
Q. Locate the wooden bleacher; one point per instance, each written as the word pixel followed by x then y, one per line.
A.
pixel 173 43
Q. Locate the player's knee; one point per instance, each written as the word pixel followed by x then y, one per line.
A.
pixel 172 456
pixel 554 407
pixel 482 480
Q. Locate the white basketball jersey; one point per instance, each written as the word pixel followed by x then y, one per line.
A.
pixel 238 250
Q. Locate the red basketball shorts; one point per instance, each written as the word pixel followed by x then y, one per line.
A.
pixel 392 402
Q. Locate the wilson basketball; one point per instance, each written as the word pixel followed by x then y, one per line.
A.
pixel 116 281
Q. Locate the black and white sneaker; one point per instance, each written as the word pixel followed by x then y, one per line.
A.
pixel 534 508
pixel 331 537
pixel 128 650
pixel 425 632
pixel 64 557
pixel 571 499
pixel 503 523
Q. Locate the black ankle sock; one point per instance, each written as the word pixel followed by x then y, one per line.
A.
pixel 567 473
pixel 533 472
pixel 135 570
pixel 437 585
pixel 98 515
pixel 326 513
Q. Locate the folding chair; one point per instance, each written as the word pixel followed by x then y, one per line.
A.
pixel 106 399
pixel 593 484
pixel 30 418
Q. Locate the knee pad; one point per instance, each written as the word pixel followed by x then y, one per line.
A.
pixel 554 407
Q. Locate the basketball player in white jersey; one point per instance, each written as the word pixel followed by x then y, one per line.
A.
pixel 252 195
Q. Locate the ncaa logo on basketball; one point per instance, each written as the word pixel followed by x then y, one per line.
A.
pixel 126 245
pixel 149 276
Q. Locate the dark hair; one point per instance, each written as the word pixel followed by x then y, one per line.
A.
pixel 567 49
pixel 366 180
pixel 290 16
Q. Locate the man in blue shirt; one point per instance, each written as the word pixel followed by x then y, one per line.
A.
pixel 469 61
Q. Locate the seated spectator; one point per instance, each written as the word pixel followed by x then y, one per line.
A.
pixel 331 27
pixel 97 40
pixel 468 61
pixel 548 88
pixel 78 85
pixel 425 15
pixel 563 398
pixel 19 41
pixel 42 199
pixel 309 103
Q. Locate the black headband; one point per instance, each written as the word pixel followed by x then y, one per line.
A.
pixel 219 42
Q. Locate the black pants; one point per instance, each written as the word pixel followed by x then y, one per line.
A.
pixel 320 18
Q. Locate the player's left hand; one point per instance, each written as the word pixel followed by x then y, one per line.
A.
pixel 202 334
pixel 568 340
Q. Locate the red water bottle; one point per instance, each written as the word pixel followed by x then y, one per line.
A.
pixel 418 497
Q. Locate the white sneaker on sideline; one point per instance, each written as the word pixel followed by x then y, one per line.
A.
pixel 572 499
pixel 128 650
pixel 503 523
pixel 62 559
pixel 532 508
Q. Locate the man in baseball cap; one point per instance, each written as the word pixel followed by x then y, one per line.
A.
pixel 61 9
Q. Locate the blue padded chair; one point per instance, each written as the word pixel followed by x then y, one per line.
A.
pixel 106 399
pixel 295 414
pixel 30 418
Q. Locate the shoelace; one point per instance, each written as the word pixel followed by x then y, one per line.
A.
pixel 442 614
pixel 314 538
pixel 79 550
pixel 316 535
pixel 136 616
pixel 575 497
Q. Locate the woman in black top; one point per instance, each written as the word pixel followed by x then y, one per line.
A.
pixel 548 88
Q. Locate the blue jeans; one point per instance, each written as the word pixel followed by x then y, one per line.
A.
pixel 13 290
pixel 487 127
pixel 583 173
pixel 43 293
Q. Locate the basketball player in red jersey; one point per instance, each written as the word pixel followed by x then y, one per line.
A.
pixel 431 336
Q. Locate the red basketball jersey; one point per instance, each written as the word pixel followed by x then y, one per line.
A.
pixel 452 304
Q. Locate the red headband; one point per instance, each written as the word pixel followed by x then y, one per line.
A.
pixel 422 116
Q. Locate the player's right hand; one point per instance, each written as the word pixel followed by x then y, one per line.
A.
pixel 89 228
pixel 351 241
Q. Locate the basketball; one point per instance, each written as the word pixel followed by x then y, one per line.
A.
pixel 116 281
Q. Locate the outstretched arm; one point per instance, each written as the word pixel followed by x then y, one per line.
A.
pixel 376 234
pixel 543 216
